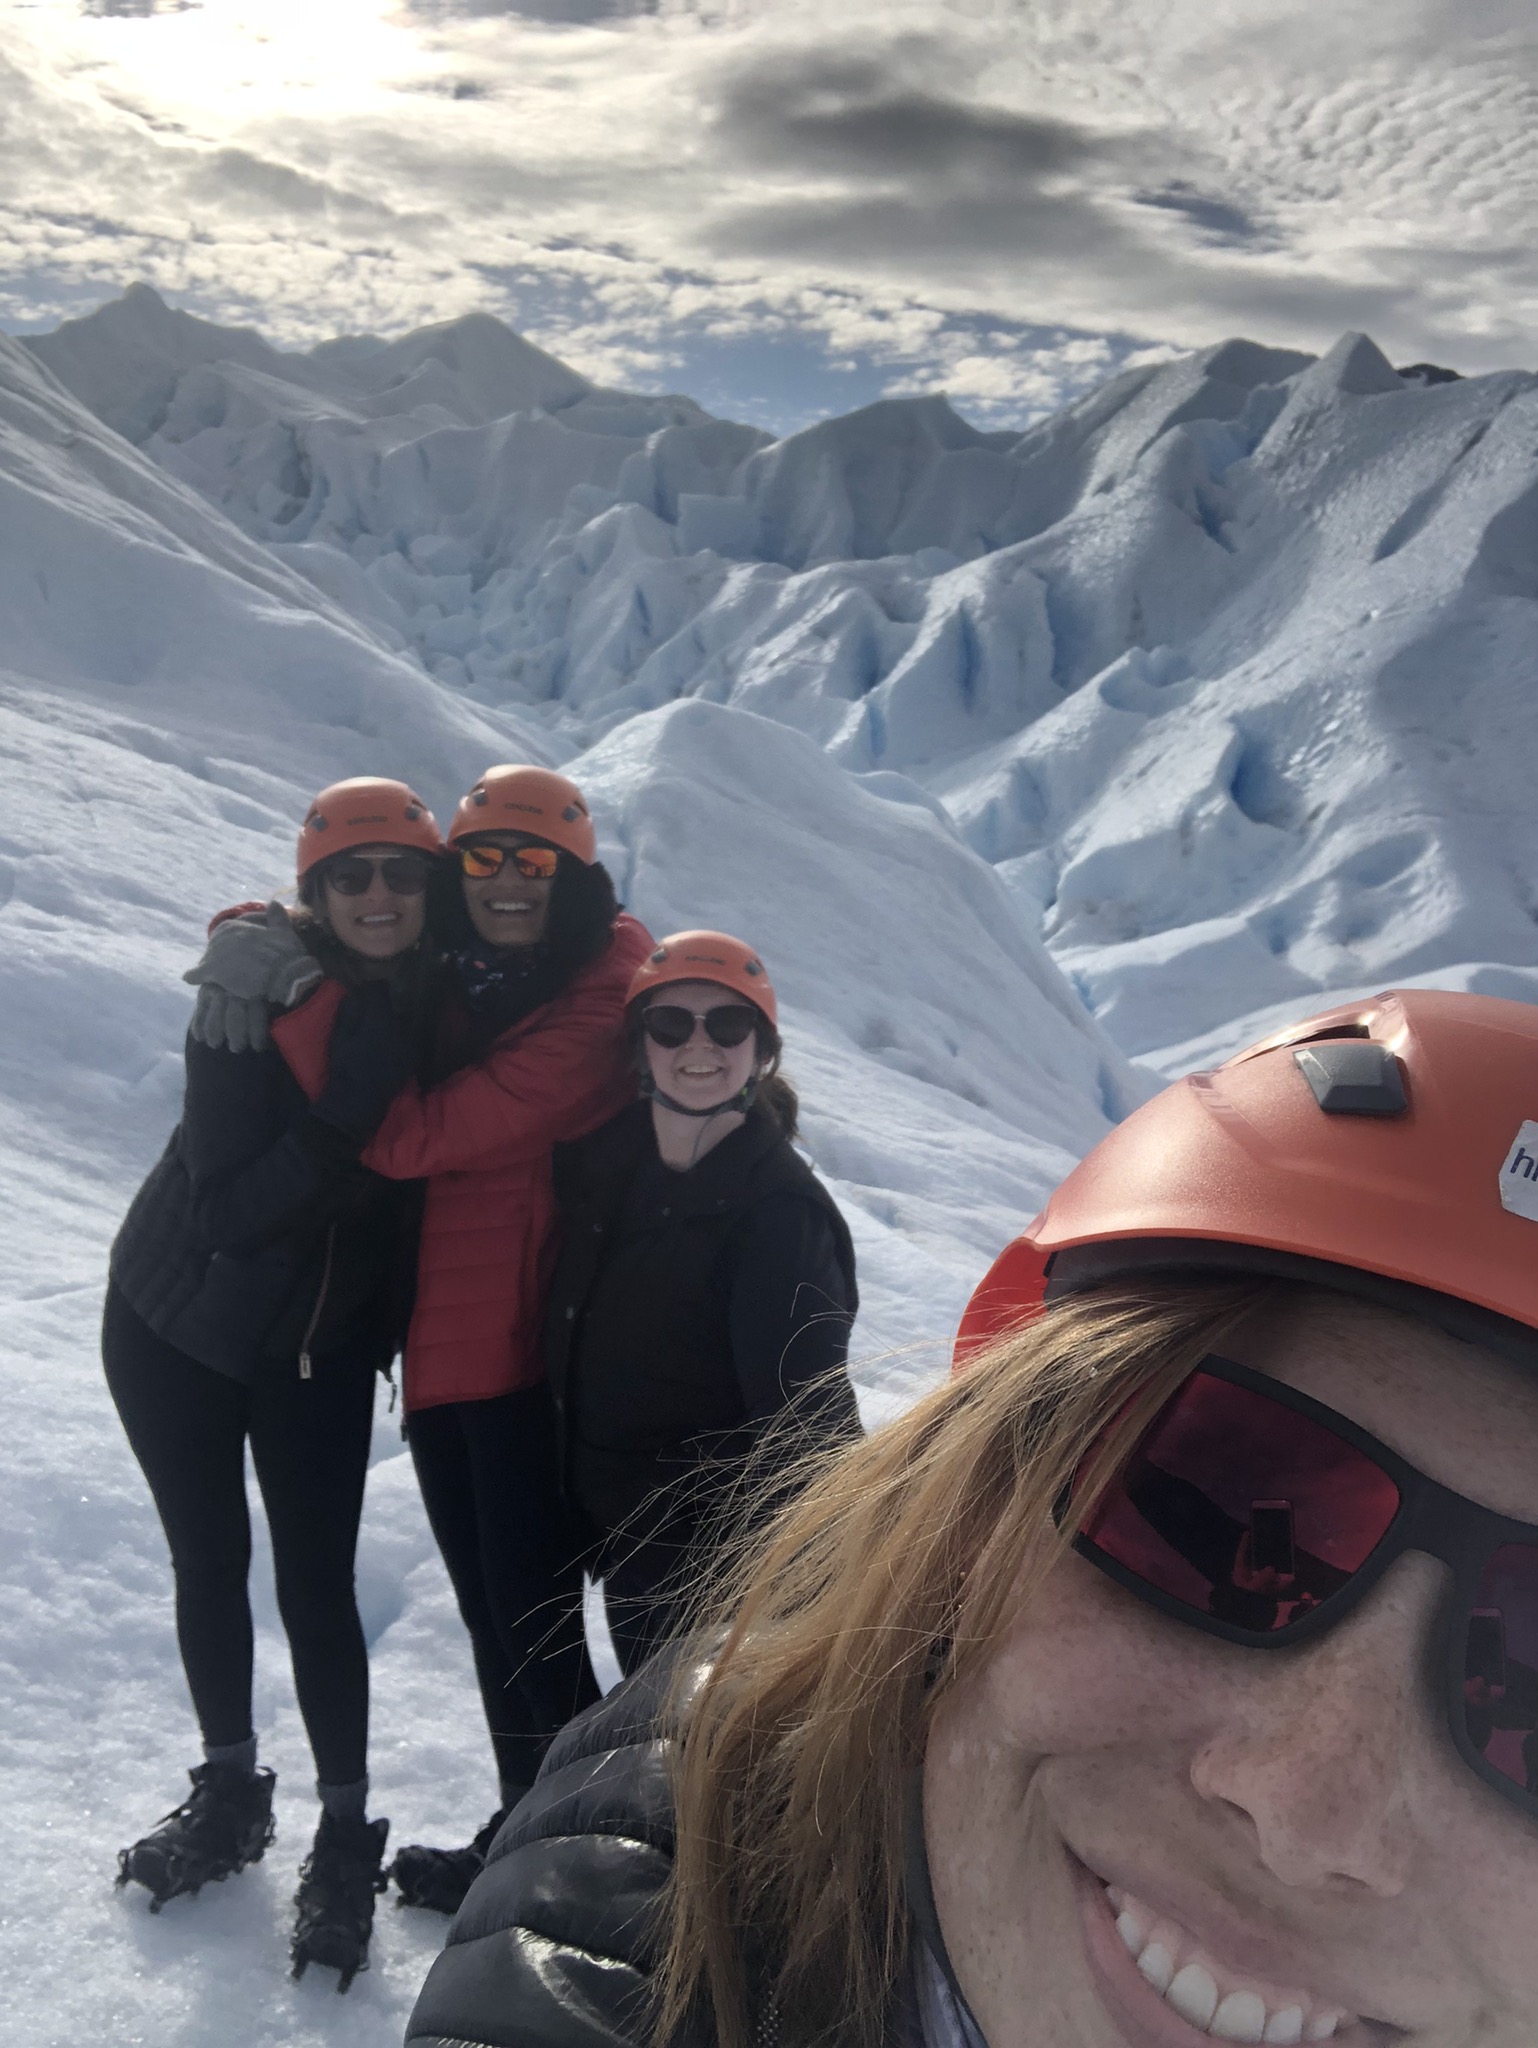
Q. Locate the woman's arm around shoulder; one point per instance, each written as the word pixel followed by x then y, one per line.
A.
pixel 255 961
pixel 560 1073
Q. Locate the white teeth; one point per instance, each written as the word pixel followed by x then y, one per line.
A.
pixel 1193 1995
pixel 1240 2017
pixel 1192 1990
pixel 1132 1933
pixel 1157 1965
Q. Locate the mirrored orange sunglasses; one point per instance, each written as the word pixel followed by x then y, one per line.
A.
pixel 481 862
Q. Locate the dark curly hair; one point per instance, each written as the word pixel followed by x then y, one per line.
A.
pixel 583 907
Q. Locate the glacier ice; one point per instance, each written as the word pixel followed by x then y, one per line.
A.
pixel 1034 762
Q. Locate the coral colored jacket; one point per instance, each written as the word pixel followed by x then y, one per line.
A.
pixel 481 1140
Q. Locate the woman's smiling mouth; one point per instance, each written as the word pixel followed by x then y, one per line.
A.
pixel 1196 1991
pixel 1230 2008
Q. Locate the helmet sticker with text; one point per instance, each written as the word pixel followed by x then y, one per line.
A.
pixel 1519 1174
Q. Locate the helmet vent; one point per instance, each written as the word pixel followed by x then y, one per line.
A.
pixel 1353 1077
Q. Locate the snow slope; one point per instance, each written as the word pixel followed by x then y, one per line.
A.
pixel 1204 700
pixel 168 695
pixel 172 690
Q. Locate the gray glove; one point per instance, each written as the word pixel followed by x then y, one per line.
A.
pixel 250 967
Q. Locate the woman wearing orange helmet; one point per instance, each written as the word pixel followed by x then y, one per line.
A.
pixel 528 1048
pixel 705 1285
pixel 1170 1675
pixel 251 1300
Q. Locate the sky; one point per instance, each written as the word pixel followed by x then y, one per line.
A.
pixel 789 207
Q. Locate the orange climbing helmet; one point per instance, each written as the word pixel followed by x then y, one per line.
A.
pixel 538 801
pixel 1388 1148
pixel 366 810
pixel 706 956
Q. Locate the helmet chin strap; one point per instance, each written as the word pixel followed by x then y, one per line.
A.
pixel 738 1103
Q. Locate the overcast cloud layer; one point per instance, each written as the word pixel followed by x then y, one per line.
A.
pixel 785 206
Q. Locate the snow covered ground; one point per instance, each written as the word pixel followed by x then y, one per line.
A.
pixel 1033 764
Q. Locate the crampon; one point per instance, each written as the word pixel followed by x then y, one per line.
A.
pixel 437 1879
pixel 224 1824
pixel 334 1906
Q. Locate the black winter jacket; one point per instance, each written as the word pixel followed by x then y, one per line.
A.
pixel 257 1234
pixel 687 1311
pixel 557 1942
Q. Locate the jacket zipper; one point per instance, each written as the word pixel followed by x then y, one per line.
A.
pixel 305 1372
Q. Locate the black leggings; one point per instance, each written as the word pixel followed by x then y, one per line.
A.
pixel 645 1596
pixel 188 1427
pixel 488 1476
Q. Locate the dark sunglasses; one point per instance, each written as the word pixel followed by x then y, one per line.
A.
pixel 671 1025
pixel 537 863
pixel 352 874
pixel 1263 1517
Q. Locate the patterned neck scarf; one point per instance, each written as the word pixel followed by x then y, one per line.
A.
pixel 494 980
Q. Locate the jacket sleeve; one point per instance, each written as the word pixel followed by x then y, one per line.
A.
pixel 254 1176
pixel 558 1075
pixel 555 1944
pixel 790 1316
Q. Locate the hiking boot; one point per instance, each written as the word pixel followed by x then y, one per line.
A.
pixel 438 1879
pixel 225 1824
pixel 334 1905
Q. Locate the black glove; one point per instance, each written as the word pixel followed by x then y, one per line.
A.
pixel 370 1063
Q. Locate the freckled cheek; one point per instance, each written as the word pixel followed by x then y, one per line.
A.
pixel 1487 1910
pixel 1090 1667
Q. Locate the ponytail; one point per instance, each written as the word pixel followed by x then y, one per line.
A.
pixel 776 1094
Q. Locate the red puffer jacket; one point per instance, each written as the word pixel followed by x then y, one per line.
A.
pixel 482 1140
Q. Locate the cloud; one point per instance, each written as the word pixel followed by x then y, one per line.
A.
pixel 582 12
pixel 869 118
pixel 897 192
pixel 861 163
pixel 1217 220
pixel 240 181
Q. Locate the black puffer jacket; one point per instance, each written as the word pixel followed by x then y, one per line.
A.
pixel 687 1311
pixel 558 1940
pixel 257 1233
pixel 556 1944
